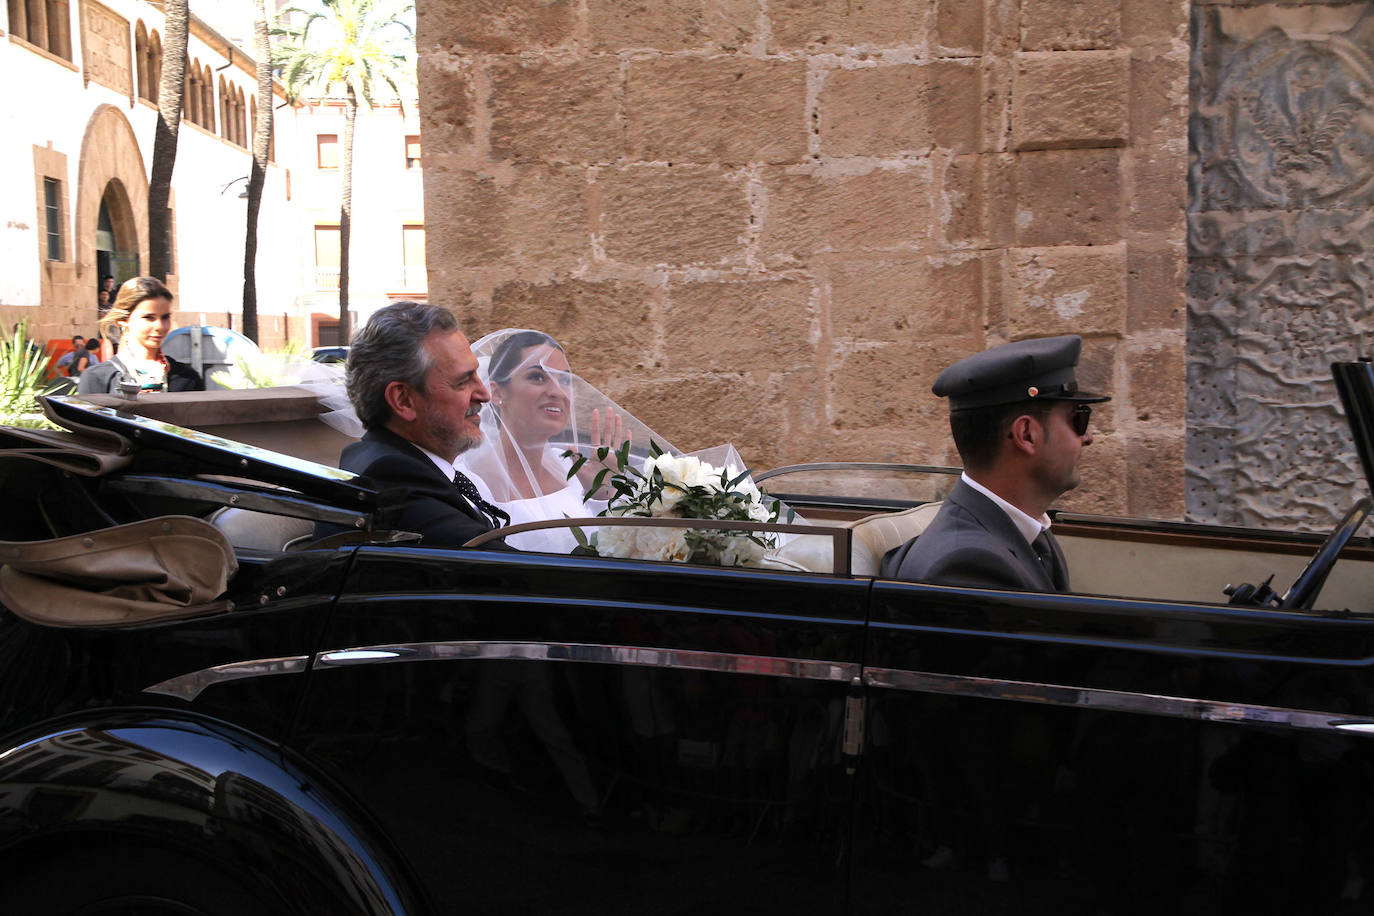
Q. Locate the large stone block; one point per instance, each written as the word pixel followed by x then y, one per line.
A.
pixel 756 411
pixel 1159 100
pixel 615 25
pixel 959 28
pixel 602 324
pixel 732 325
pixel 555 111
pixel 888 385
pixel 1067 290
pixel 1155 285
pixel 1068 197
pixel 447 117
pixel 1078 25
pixel 1155 477
pixel 498 26
pixel 905 108
pixel 1103 488
pixel 714 110
pixel 1158 208
pixel 837 24
pixel 533 217
pixel 654 215
pixel 1154 22
pixel 810 212
pixel 903 297
pixel 975 201
pixel 1070 99
pixel 1157 369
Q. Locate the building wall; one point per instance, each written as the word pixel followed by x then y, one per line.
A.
pixel 82 122
pixel 386 196
pixel 1280 281
pixel 773 223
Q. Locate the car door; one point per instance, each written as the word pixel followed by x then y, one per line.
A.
pixel 1068 753
pixel 563 735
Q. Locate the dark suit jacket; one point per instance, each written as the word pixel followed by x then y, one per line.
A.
pixel 972 542
pixel 103 378
pixel 432 508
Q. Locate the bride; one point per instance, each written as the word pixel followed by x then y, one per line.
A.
pixel 538 410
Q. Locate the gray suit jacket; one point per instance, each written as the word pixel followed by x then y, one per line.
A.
pixel 972 542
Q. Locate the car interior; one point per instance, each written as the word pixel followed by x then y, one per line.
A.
pixel 259 467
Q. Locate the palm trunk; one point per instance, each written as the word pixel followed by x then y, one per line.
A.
pixel 346 214
pixel 257 176
pixel 169 101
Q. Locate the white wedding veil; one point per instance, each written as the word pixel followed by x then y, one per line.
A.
pixel 540 408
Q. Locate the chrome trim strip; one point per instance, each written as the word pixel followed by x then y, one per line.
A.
pixel 189 686
pixel 1114 700
pixel 687 659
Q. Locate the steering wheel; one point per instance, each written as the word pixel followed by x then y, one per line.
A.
pixel 1303 592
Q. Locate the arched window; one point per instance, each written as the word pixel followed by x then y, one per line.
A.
pixel 244 129
pixel 191 104
pixel 207 102
pixel 154 67
pixel 225 120
pixel 141 58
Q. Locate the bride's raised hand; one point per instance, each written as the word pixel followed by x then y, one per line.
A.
pixel 611 435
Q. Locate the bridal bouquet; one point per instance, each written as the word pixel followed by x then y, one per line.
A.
pixel 668 486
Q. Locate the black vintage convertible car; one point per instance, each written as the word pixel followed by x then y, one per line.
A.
pixel 206 710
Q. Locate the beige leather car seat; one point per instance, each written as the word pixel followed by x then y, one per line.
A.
pixel 874 535
pixel 252 530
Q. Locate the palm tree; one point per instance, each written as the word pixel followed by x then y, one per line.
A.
pixel 177 16
pixel 257 175
pixel 356 46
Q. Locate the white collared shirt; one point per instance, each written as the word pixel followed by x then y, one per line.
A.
pixel 446 468
pixel 1030 528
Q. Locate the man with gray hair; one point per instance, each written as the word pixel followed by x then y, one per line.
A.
pixel 412 378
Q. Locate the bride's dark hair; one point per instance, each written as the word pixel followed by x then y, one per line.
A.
pixel 508 353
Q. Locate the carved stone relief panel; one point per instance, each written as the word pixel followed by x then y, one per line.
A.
pixel 1280 226
pixel 105 47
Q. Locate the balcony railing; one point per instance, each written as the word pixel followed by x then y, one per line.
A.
pixel 327 279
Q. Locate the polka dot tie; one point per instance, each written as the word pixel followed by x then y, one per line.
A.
pixel 498 517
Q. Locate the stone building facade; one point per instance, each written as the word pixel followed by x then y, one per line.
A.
pixel 774 221
pixel 1281 225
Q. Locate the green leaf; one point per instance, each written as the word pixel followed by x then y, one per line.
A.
pixel 598 480
pixel 577 465
pixel 622 456
pixel 602 452
pixel 736 482
pixel 581 537
pixel 654 449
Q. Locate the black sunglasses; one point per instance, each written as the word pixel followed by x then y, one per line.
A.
pixel 1080 417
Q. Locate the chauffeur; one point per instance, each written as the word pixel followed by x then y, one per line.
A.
pixel 1020 424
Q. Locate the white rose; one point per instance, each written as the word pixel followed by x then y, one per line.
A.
pixel 663 544
pixel 741 551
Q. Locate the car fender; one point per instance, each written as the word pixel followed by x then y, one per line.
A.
pixel 197 787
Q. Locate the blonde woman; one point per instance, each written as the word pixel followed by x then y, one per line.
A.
pixel 138 321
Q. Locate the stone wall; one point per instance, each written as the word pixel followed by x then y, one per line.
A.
pixel 1280 282
pixel 774 221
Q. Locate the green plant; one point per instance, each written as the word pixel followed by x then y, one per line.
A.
pixel 23 367
pixel 288 366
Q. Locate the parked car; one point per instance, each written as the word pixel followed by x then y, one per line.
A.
pixel 204 708
pixel 329 354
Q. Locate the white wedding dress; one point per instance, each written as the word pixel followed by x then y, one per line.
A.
pixel 564 503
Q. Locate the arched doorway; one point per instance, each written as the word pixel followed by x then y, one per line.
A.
pixel 116 236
